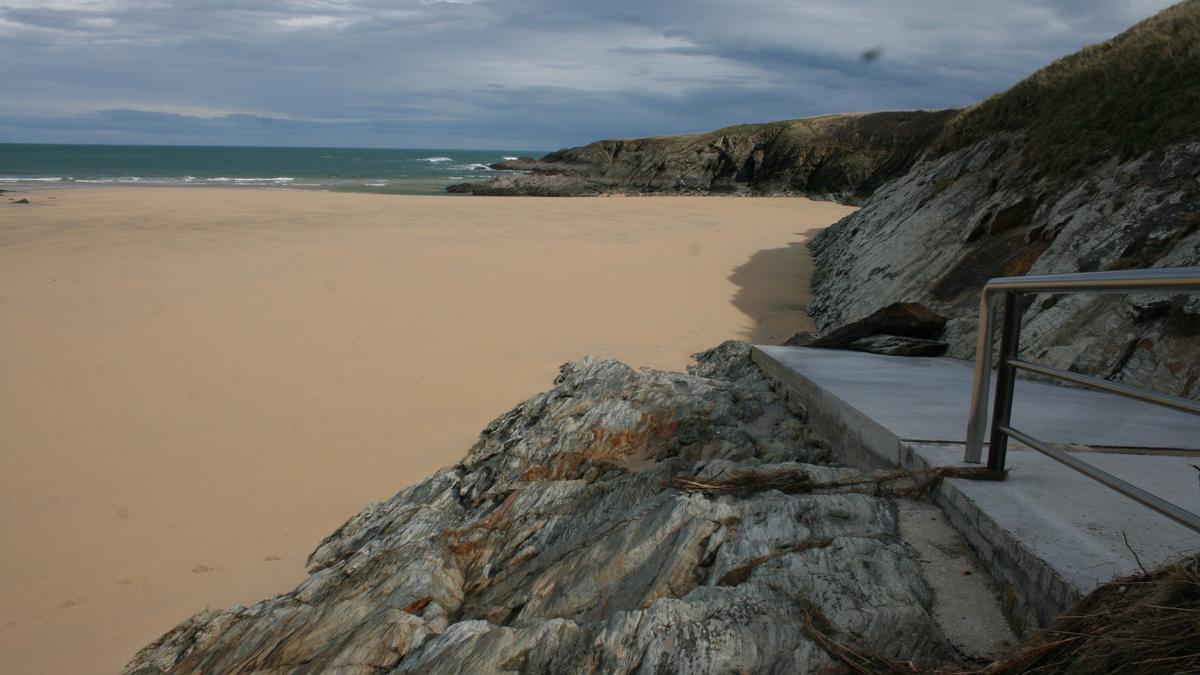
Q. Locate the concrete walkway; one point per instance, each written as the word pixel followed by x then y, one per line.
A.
pixel 1048 532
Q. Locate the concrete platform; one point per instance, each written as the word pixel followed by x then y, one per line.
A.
pixel 1048 532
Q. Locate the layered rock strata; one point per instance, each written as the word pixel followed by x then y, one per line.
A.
pixel 556 546
pixel 939 233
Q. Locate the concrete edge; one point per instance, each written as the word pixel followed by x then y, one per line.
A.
pixel 865 442
pixel 1034 592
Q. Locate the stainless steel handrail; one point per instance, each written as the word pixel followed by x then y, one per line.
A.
pixel 1157 280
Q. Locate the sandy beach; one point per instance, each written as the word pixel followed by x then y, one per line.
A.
pixel 197 385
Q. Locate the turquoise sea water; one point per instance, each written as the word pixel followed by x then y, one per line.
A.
pixel 29 166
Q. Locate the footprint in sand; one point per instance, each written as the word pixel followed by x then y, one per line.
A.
pixel 201 569
pixel 273 558
pixel 72 602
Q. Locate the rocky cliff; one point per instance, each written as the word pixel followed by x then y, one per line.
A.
pixel 559 545
pixel 1090 164
pixel 842 157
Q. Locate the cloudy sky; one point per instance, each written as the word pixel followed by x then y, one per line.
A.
pixel 505 74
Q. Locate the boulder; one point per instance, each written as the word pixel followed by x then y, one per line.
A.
pixel 896 345
pixel 900 319
pixel 802 339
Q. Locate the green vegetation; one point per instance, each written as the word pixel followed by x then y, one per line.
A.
pixel 1135 93
pixel 804 127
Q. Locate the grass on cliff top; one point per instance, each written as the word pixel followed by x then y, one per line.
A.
pixel 802 126
pixel 1135 93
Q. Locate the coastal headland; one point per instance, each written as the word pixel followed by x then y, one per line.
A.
pixel 211 380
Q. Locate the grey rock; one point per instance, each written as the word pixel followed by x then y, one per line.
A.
pixel 937 234
pixel 555 546
pixel 896 345
pixel 903 319
pixel 531 185
pixel 802 339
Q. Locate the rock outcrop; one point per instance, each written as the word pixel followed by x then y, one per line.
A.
pixel 841 157
pixel 900 329
pixel 1012 188
pixel 556 546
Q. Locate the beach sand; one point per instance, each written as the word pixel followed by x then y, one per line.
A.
pixel 197 385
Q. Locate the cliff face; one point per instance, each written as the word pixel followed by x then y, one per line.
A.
pixel 1011 187
pixel 836 156
pixel 557 546
pixel 936 236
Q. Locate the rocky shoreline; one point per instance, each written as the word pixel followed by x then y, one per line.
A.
pixel 559 545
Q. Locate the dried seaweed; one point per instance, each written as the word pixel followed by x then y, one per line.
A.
pixel 897 483
pixel 850 650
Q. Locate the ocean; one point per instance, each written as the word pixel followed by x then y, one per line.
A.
pixel 31 166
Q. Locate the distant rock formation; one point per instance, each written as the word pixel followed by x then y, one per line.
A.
pixel 1091 164
pixel 557 545
pixel 842 157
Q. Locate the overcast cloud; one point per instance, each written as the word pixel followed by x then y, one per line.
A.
pixel 494 74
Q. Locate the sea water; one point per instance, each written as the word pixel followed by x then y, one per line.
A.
pixel 409 171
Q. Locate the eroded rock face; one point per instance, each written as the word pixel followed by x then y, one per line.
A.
pixel 554 546
pixel 936 235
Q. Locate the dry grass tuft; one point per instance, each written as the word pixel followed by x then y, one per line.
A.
pixel 850 652
pixel 1146 623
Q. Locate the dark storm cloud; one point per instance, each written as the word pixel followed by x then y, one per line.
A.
pixel 531 74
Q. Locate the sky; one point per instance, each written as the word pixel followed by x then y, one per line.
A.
pixel 506 74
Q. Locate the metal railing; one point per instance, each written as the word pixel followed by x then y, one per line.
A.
pixel 1011 290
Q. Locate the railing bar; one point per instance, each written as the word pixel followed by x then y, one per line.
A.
pixel 1182 516
pixel 999 286
pixel 1006 379
pixel 1158 279
pixel 981 387
pixel 1166 400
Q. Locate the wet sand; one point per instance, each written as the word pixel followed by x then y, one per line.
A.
pixel 197 385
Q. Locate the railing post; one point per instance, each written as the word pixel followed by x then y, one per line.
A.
pixel 977 423
pixel 1006 376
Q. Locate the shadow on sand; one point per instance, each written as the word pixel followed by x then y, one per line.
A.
pixel 773 291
